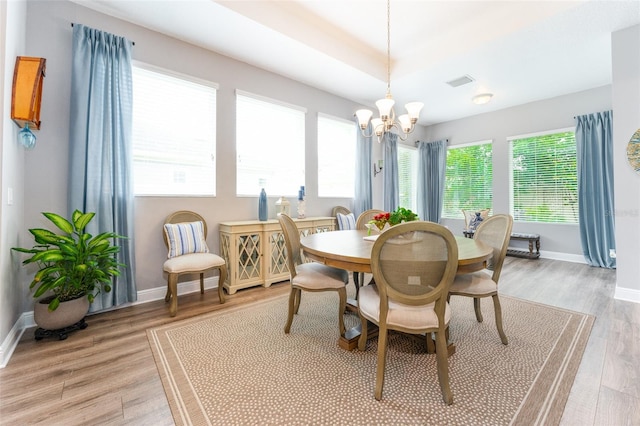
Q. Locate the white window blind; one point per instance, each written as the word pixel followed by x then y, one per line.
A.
pixel 336 157
pixel 544 178
pixel 270 144
pixel 407 176
pixel 174 134
pixel 469 179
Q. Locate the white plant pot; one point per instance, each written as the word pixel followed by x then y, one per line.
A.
pixel 67 314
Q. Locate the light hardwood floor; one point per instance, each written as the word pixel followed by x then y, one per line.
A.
pixel 106 375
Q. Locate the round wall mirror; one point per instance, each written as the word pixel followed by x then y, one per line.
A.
pixel 633 151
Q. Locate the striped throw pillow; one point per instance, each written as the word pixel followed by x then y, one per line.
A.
pixel 185 238
pixel 346 221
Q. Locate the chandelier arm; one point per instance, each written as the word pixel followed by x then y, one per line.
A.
pixel 406 135
pixel 401 134
pixel 364 133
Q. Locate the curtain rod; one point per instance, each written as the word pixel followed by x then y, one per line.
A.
pixel 417 142
pixel 133 42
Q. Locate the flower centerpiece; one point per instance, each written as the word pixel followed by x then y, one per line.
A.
pixel 385 220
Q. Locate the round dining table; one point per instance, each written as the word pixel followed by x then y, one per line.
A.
pixel 351 250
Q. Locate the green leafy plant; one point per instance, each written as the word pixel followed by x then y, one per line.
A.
pixel 72 263
pixel 400 215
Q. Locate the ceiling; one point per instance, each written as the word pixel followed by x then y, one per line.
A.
pixel 520 51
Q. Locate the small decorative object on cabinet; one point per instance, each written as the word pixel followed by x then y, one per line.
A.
pixel 255 252
pixel 475 221
pixel 283 206
pixel 301 203
pixel 262 206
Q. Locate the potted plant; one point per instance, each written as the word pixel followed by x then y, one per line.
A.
pixel 73 267
pixel 385 220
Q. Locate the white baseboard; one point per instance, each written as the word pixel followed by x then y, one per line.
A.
pixel 144 296
pixel 627 294
pixel 566 257
pixel 186 287
pixel 9 344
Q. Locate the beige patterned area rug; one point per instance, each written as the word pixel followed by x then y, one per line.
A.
pixel 238 367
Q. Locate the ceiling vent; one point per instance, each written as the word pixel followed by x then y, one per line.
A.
pixel 460 81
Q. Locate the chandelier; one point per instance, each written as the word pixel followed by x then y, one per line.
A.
pixel 405 123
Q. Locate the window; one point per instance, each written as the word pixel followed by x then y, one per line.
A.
pixel 336 157
pixel 269 146
pixel 174 134
pixel 407 176
pixel 544 178
pixel 469 178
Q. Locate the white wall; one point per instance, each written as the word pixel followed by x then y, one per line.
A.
pixel 13 17
pixel 50 34
pixel 562 241
pixel 626 121
pixel 44 170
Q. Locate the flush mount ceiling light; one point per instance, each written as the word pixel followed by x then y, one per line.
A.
pixel 387 120
pixel 482 98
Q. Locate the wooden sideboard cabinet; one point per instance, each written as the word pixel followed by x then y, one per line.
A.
pixel 255 251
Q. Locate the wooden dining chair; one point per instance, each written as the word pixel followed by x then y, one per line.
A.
pixel 494 231
pixel 344 218
pixel 363 219
pixel 184 234
pixel 413 265
pixel 339 209
pixel 310 276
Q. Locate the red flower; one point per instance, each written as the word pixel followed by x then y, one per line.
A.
pixel 381 219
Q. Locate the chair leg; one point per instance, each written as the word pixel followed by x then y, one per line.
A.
pixel 292 303
pixel 168 295
pixel 201 282
pixel 476 306
pixel 342 293
pixel 221 279
pixel 382 358
pixel 443 367
pixel 173 289
pixel 298 298
pixel 498 311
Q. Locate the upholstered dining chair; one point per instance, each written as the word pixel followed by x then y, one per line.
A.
pixel 339 209
pixel 344 218
pixel 494 231
pixel 365 217
pixel 413 265
pixel 361 222
pixel 310 276
pixel 185 234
